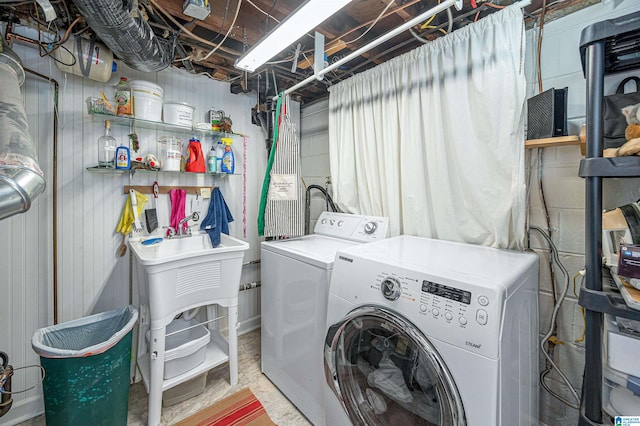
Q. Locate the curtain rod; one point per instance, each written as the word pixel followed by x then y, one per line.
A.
pixel 420 18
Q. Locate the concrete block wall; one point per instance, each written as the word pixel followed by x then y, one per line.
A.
pixel 564 193
pixel 314 152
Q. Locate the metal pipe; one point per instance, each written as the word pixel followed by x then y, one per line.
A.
pixel 21 179
pixel 415 21
pixel 55 189
pixel 372 44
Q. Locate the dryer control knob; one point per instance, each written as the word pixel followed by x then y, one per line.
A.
pixel 391 288
pixel 370 227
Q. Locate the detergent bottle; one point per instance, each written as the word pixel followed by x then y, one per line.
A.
pixel 228 159
pixel 219 153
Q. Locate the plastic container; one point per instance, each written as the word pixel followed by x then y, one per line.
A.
pixel 123 98
pixel 87 364
pixel 170 153
pixel 186 349
pixel 147 100
pixel 72 58
pixel 212 162
pixel 619 393
pixel 184 391
pixel 622 349
pixel 123 158
pixel 178 113
pixel 219 153
pixel 228 158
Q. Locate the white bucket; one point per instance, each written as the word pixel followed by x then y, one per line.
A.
pixel 170 153
pixel 178 113
pixel 147 100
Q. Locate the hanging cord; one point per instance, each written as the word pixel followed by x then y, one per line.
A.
pixel 554 252
pixel 42 375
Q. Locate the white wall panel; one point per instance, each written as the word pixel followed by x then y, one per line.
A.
pixel 90 277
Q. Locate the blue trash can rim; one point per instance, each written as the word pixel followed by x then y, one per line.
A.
pixel 47 351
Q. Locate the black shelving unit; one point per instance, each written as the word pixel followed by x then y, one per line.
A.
pixel 605 47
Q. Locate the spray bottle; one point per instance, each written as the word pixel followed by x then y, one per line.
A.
pixel 228 159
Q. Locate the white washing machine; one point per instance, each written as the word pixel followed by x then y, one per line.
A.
pixel 295 277
pixel 430 332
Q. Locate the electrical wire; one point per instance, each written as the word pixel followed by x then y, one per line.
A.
pixel 262 11
pixel 554 253
pixel 226 35
pixel 374 22
pixel 42 376
pixel 185 30
pixel 539 49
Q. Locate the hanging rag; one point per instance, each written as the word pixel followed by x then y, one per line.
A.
pixel 267 173
pixel 284 212
pixel 195 161
pixel 178 198
pixel 125 225
pixel 217 219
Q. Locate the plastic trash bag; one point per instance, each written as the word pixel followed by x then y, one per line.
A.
pixel 85 336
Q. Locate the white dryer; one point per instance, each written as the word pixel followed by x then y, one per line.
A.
pixel 295 277
pixel 431 332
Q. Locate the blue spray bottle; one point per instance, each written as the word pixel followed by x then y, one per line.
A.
pixel 228 159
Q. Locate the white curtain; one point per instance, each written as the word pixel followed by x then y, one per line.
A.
pixel 434 139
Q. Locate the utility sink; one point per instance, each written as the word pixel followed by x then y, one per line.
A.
pixel 178 274
pixel 176 249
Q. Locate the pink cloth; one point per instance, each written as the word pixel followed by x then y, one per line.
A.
pixel 178 198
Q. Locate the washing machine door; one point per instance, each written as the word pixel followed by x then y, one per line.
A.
pixel 385 371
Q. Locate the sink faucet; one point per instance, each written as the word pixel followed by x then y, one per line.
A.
pixel 187 233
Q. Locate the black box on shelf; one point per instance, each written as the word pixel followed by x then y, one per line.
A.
pixel 629 260
pixel 547 114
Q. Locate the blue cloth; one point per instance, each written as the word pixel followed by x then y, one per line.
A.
pixel 218 218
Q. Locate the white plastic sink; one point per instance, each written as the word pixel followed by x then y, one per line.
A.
pixel 182 273
pixel 175 249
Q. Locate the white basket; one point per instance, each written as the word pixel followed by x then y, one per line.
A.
pixel 178 113
pixel 184 350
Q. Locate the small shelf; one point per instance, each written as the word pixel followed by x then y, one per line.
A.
pixel 610 167
pixel 108 171
pixel 156 125
pixel 548 142
pixel 217 353
pixel 609 300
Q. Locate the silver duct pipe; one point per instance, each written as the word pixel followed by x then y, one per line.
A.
pixel 123 29
pixel 21 179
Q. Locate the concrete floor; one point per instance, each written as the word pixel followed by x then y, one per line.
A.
pixel 281 411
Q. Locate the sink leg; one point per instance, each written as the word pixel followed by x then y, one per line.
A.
pixel 233 345
pixel 156 374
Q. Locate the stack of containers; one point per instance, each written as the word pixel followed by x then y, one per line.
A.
pixel 178 113
pixel 147 100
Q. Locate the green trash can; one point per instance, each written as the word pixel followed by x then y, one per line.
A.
pixel 87 363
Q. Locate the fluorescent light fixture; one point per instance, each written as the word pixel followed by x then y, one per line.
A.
pixel 305 18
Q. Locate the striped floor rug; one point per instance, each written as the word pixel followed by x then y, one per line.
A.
pixel 240 409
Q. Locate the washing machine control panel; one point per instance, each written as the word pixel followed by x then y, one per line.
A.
pixel 391 288
pixel 352 227
pixel 462 314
